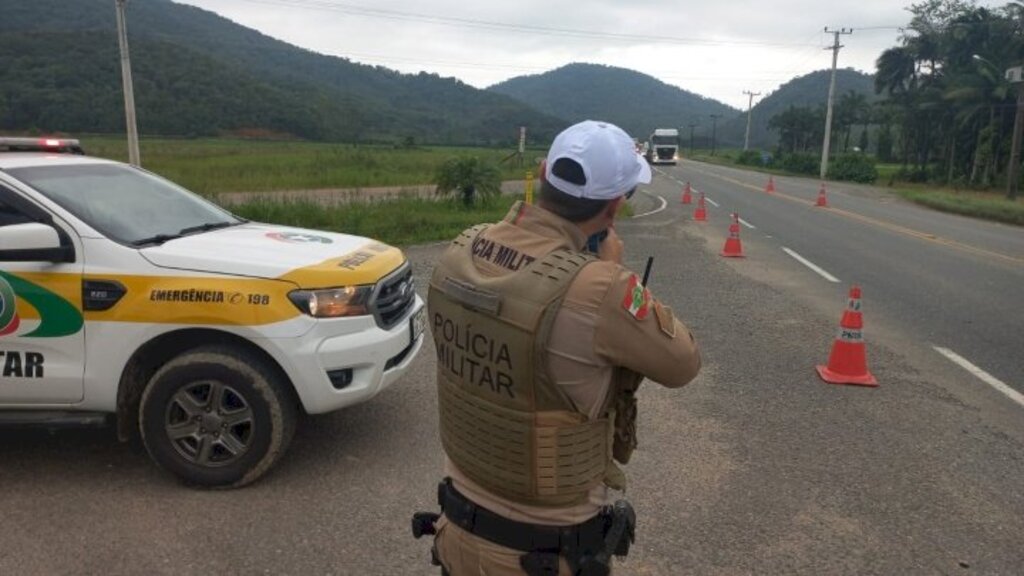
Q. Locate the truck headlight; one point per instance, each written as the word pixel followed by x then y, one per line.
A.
pixel 333 302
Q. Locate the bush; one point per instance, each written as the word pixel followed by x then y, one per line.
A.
pixel 853 168
pixel 749 158
pixel 800 163
pixel 469 177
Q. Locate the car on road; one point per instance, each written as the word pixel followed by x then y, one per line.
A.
pixel 124 295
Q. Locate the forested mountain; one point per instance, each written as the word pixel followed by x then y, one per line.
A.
pixel 636 102
pixel 197 73
pixel 810 90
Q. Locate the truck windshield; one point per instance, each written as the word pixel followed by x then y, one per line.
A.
pixel 124 203
pixel 664 140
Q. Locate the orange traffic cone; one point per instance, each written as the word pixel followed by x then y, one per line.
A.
pixel 771 185
pixel 701 213
pixel 822 201
pixel 733 248
pixel 847 364
pixel 687 198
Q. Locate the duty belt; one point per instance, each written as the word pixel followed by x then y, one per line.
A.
pixel 587 537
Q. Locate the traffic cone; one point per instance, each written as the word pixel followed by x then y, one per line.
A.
pixel 687 198
pixel 733 248
pixel 822 201
pixel 771 185
pixel 701 213
pixel 847 364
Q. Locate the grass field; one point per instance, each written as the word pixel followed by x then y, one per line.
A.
pixel 209 166
pixel 987 205
pixel 396 222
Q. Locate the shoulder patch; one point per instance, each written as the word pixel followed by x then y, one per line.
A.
pixel 666 321
pixel 637 300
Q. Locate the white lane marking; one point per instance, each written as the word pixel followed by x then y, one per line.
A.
pixel 706 199
pixel 747 224
pixel 981 374
pixel 811 265
pixel 664 204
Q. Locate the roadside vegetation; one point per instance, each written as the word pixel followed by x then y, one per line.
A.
pixel 988 205
pixel 397 222
pixel 939 129
pixel 210 166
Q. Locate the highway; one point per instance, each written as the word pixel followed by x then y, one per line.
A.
pixel 756 467
pixel 936 279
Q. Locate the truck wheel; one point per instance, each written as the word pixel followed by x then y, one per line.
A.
pixel 216 416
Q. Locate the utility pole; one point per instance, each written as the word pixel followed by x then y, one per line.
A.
pixel 831 95
pixel 750 107
pixel 714 132
pixel 1014 75
pixel 691 138
pixel 126 81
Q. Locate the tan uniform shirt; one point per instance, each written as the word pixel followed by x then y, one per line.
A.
pixel 600 326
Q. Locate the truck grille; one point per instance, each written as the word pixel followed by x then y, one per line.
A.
pixel 393 297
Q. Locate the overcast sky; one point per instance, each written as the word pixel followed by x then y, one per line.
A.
pixel 715 48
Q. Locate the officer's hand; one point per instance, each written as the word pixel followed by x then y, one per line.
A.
pixel 611 249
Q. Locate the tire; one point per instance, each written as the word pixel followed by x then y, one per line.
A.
pixel 217 416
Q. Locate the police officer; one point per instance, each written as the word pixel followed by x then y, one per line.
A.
pixel 540 348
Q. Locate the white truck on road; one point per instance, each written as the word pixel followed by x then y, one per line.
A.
pixel 203 333
pixel 664 146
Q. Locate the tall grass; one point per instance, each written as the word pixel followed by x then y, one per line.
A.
pixel 397 222
pixel 987 205
pixel 209 166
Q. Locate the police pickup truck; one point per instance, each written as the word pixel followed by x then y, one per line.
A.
pixel 124 294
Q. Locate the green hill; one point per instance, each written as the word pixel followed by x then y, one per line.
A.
pixel 810 90
pixel 637 102
pixel 197 73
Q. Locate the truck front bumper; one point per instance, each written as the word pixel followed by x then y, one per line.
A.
pixel 363 358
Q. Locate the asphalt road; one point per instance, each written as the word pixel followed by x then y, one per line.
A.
pixel 950 281
pixel 757 467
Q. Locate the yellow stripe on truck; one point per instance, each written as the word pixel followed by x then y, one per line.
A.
pixel 366 265
pixel 199 300
pixel 67 286
pixel 219 300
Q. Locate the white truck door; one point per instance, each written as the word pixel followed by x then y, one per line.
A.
pixel 42 338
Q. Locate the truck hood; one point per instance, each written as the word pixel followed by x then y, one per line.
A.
pixel 307 258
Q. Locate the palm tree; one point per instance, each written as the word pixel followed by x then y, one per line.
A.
pixel 854 108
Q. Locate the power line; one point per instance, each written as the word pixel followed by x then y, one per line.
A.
pixel 330 6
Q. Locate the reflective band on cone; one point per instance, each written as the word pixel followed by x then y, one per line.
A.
pixel 701 213
pixel 847 363
pixel 852 316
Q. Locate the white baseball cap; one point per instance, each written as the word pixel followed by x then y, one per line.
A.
pixel 608 156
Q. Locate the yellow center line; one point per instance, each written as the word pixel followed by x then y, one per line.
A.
pixel 880 223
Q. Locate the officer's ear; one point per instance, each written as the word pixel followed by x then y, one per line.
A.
pixel 613 207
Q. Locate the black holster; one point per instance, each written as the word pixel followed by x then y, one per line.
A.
pixel 619 535
pixel 586 547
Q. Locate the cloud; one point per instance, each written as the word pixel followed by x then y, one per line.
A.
pixel 716 49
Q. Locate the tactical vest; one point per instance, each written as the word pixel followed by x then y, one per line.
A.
pixel 504 422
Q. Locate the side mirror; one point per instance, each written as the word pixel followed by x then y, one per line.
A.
pixel 33 242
